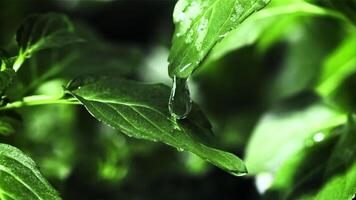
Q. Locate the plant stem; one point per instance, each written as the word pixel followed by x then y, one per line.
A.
pixel 38 100
pixel 18 62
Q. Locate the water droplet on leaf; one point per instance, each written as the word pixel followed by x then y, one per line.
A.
pixel 180 149
pixel 319 137
pixel 180 103
pixel 75 84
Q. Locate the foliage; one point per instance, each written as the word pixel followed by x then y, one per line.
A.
pixel 272 81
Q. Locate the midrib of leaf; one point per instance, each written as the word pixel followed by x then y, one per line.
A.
pixel 198 148
pixel 132 107
pixel 2 193
pixel 28 168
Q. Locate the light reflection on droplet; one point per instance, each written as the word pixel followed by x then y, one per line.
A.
pixel 319 137
pixel 263 182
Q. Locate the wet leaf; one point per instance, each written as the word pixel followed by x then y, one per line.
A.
pixel 200 25
pixel 141 111
pixel 20 178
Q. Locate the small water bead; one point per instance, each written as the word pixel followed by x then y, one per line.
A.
pixel 202 31
pixel 318 137
pixel 180 149
pixel 238 10
pixel 186 15
pixel 75 84
pixel 180 103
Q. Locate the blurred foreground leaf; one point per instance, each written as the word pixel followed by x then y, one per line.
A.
pixel 323 171
pixel 340 64
pixel 20 178
pixel 140 111
pixel 342 163
pixel 281 134
pixel 262 24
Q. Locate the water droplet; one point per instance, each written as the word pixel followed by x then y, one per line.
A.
pixel 189 38
pixel 75 84
pixel 185 67
pixel 201 31
pixel 237 173
pixel 180 149
pixel 223 35
pixel 180 103
pixel 186 14
pixel 319 137
pixel 263 182
pixel 238 10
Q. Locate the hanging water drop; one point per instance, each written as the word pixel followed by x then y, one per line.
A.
pixel 180 103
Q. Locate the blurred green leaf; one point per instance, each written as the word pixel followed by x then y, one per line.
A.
pixel 114 155
pixel 44 31
pixel 6 78
pixel 260 24
pixel 342 163
pixel 68 62
pixel 340 64
pixel 140 111
pixel 7 125
pixel 50 134
pixel 281 134
pixel 301 175
pixel 20 178
pixel 341 186
pixel 200 25
pixel 347 7
pixel 323 170
pixel 3 56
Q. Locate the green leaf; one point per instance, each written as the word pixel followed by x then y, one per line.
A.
pixel 339 65
pixel 3 56
pixel 20 178
pixel 141 111
pixel 305 168
pixel 200 25
pixel 274 16
pixel 53 147
pixel 348 8
pixel 284 133
pixel 341 186
pixel 342 164
pixel 329 165
pixel 6 78
pixel 44 31
pixel 7 125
